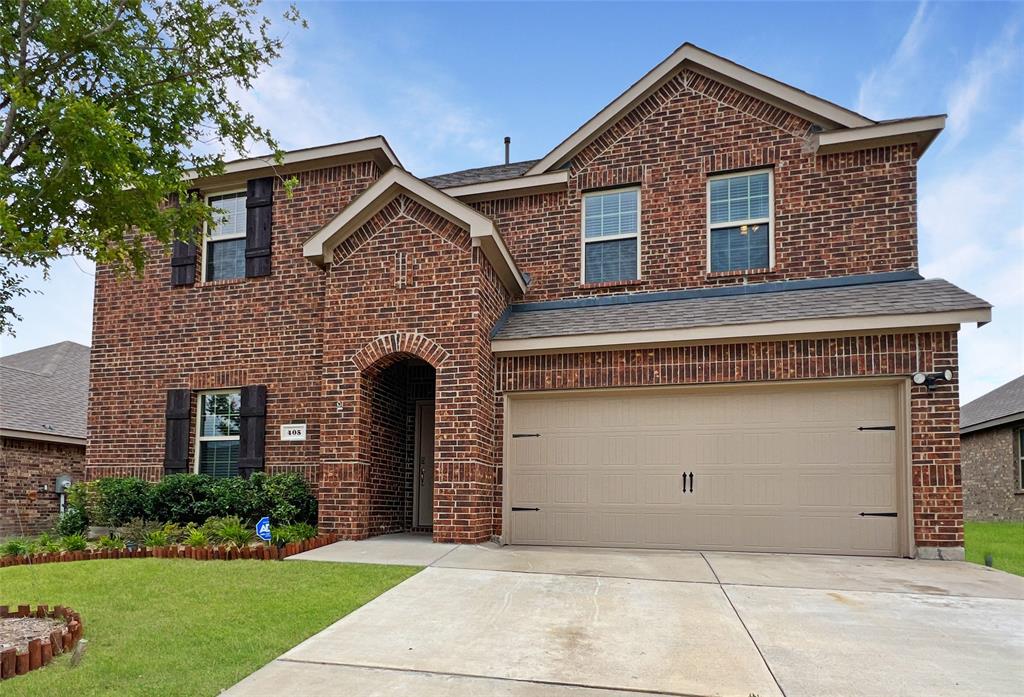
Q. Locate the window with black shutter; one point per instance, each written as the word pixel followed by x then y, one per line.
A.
pixel 252 432
pixel 179 407
pixel 259 212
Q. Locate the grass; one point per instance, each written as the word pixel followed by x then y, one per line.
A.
pixel 181 627
pixel 1003 540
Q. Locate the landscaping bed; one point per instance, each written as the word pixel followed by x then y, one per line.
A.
pixel 30 639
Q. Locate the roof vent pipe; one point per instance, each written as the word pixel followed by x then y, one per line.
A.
pixel 508 142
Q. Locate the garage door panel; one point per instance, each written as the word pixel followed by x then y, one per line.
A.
pixel 775 469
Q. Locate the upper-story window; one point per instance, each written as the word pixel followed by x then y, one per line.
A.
pixel 224 254
pixel 611 236
pixel 740 221
pixel 217 440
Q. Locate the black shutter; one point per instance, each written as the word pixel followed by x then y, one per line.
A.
pixel 179 411
pixel 183 257
pixel 252 434
pixel 259 204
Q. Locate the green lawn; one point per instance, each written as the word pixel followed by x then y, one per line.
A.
pixel 1003 540
pixel 181 627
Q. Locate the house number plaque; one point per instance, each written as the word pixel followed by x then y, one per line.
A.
pixel 293 432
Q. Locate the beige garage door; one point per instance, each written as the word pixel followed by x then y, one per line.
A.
pixel 774 469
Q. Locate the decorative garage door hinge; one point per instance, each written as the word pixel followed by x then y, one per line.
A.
pixel 889 514
pixel 526 435
pixel 876 428
pixel 521 508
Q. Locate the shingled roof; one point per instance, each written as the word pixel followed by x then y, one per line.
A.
pixel 1001 405
pixel 45 391
pixel 479 175
pixel 635 314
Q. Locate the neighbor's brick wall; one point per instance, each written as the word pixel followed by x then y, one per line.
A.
pixel 992 487
pixel 937 496
pixel 835 215
pixel 149 337
pixel 26 466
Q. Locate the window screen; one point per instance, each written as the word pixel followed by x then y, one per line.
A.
pixel 740 221
pixel 219 414
pixel 225 245
pixel 611 229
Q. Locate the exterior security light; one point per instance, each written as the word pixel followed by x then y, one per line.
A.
pixel 929 379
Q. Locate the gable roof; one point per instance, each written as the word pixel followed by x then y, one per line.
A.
pixel 1002 405
pixel 826 114
pixel 395 181
pixel 44 392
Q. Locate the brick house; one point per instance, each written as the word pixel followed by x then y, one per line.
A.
pixel 992 443
pixel 693 324
pixel 43 398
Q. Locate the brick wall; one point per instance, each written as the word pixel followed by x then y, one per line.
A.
pixel 992 487
pixel 26 466
pixel 937 497
pixel 835 215
pixel 149 337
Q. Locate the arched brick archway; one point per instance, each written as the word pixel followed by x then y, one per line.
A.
pixel 390 348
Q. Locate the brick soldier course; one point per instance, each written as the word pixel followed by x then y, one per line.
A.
pixel 407 291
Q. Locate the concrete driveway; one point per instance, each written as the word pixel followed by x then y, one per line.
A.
pixel 484 620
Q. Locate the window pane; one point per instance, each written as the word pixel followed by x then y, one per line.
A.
pixel 614 213
pixel 225 259
pixel 611 261
pixel 229 216
pixel 743 197
pixel 219 414
pixel 732 250
pixel 218 458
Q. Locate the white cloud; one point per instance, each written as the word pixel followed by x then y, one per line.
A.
pixel 972 234
pixel 983 72
pixel 884 88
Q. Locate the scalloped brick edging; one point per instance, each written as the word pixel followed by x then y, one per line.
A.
pixel 209 553
pixel 40 651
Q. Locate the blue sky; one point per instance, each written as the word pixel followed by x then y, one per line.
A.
pixel 445 82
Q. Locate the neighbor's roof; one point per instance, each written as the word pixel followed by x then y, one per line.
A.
pixel 479 175
pixel 1001 405
pixel 776 308
pixel 45 391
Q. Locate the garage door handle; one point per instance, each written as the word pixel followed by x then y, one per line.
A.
pixel 888 514
pixel 526 435
pixel 683 475
pixel 876 428
pixel 521 508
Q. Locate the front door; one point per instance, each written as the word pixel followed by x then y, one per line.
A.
pixel 423 501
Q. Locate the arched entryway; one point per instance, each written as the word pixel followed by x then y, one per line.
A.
pixel 399 445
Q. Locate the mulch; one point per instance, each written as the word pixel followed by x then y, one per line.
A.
pixel 18 631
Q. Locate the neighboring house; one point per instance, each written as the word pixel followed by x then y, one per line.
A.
pixel 693 324
pixel 992 445
pixel 43 398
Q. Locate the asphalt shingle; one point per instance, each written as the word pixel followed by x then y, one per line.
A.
pixel 46 390
pixel 999 403
pixel 891 298
pixel 480 175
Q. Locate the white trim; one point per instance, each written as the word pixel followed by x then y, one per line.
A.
pixel 609 238
pixel 755 84
pixel 920 131
pixel 319 248
pixel 836 325
pixel 207 239
pixel 296 160
pixel 47 437
pixel 770 220
pixel 518 186
pixel 199 421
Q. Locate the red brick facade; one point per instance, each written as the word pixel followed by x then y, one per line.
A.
pixel 345 349
pixel 28 471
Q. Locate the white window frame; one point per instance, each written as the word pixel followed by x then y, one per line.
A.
pixel 609 238
pixel 770 220
pixel 199 422
pixel 207 238
pixel 1019 447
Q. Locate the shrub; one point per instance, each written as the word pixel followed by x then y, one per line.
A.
pixel 229 530
pixel 156 538
pixel 48 543
pixel 18 547
pixel 196 537
pixel 285 497
pixel 301 531
pixel 114 501
pixel 136 529
pixel 182 498
pixel 74 543
pixel 72 522
pixel 235 496
pixel 110 542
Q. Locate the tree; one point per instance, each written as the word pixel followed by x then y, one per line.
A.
pixel 104 106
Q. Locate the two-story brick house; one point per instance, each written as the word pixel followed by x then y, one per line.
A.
pixel 693 324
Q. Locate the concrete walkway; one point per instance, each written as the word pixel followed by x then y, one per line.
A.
pixel 598 622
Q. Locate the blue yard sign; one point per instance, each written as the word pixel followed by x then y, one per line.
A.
pixel 263 529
